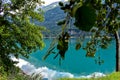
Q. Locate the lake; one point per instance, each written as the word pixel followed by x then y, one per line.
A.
pixel 76 63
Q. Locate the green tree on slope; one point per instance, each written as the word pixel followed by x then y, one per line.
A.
pixel 18 35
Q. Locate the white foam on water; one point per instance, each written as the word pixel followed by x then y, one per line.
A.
pixel 93 75
pixel 49 74
pixel 52 74
pixel 25 66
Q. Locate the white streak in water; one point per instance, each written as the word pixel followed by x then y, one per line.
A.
pixel 49 74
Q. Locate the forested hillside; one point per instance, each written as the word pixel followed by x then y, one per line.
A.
pixel 53 14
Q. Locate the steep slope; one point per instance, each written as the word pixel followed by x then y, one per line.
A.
pixel 53 14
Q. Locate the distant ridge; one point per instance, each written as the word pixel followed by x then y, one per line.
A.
pixel 53 14
pixel 50 6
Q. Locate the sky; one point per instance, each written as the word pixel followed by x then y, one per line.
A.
pixel 47 2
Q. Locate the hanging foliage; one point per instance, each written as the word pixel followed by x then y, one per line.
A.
pixel 61 45
pixel 85 17
pixel 61 42
pixel 100 18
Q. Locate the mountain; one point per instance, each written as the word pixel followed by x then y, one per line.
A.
pixel 53 14
pixel 50 6
pixel 47 2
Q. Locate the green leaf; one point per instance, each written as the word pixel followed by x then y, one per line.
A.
pixel 78 46
pixel 85 17
pixel 90 54
pixel 104 46
pixel 61 3
pixel 74 9
pixel 117 1
pixel 61 22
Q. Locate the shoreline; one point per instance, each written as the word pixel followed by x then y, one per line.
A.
pixel 28 69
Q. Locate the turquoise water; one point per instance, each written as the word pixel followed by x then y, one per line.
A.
pixel 76 62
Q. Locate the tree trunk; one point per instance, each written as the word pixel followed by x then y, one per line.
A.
pixel 117 39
